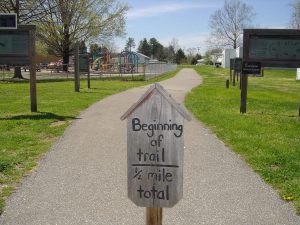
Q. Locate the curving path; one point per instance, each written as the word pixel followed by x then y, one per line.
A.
pixel 82 180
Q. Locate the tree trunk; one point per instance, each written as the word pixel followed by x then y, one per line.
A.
pixel 65 61
pixel 18 73
pixel 234 44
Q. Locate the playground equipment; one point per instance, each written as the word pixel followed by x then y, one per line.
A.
pixel 101 61
pixel 128 62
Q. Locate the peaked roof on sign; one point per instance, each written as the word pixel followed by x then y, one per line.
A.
pixel 164 93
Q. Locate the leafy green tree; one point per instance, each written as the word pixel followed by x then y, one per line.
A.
pixel 180 57
pixel 144 47
pixel 94 48
pixel 71 21
pixel 130 44
pixel 157 49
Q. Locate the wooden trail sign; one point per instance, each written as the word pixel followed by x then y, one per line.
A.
pixel 155 149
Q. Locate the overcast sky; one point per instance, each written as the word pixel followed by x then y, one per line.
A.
pixel 187 20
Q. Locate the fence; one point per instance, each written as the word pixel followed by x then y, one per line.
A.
pixel 152 70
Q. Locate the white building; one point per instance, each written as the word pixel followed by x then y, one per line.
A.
pixel 227 55
pixel 239 52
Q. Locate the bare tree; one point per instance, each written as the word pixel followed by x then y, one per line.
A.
pixel 175 44
pixel 295 17
pixel 227 23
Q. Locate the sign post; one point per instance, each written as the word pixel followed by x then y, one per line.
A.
pixel 248 68
pixel 155 152
pixel 76 69
pixel 33 98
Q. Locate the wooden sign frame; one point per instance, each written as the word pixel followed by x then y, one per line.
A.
pixel 25 58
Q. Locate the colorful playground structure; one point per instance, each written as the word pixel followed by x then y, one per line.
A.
pixel 127 62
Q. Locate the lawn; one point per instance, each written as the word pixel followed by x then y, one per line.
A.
pixel 26 136
pixel 268 135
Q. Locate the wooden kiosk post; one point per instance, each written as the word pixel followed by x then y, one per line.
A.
pixel 76 69
pixel 155 152
pixel 33 98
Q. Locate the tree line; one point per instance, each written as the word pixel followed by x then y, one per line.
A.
pixel 172 53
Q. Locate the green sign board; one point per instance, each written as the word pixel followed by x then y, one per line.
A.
pixel 12 44
pixel 272 47
pixel 83 63
pixel 15 45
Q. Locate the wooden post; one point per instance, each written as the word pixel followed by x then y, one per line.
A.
pixel 89 77
pixel 244 83
pixel 299 110
pixel 233 82
pixel 33 98
pixel 153 216
pixel 76 65
pixel 230 78
pixel 227 83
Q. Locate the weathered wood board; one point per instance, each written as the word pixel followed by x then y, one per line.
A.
pixel 155 138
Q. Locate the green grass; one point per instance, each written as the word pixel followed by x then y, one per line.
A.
pixel 26 136
pixel 268 135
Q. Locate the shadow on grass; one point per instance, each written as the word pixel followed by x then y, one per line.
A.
pixel 40 116
pixel 272 114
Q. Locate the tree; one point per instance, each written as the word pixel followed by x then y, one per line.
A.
pixel 170 55
pixel 144 47
pixel 94 49
pixel 130 44
pixel 227 23
pixel 71 21
pixel 156 49
pixel 174 44
pixel 295 17
pixel 180 57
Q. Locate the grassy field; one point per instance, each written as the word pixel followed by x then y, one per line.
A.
pixel 268 135
pixel 26 136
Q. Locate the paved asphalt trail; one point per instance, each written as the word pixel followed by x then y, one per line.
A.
pixel 82 180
